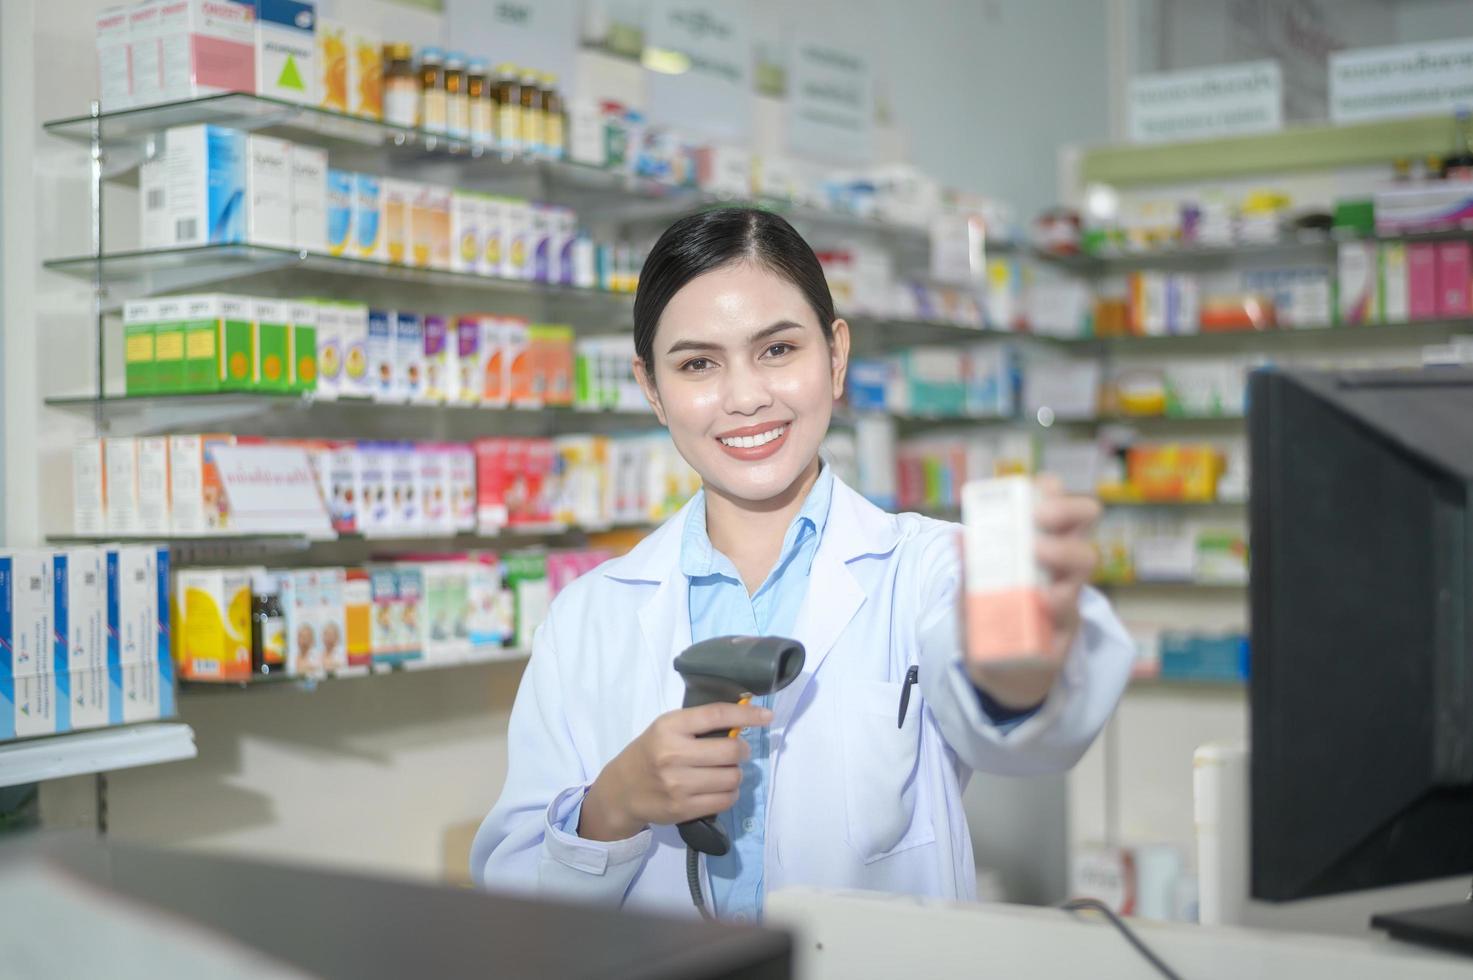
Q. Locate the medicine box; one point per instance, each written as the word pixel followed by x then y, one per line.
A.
pixel 1422 280
pixel 341 187
pixel 365 73
pixel 384 627
pixel 145 52
pixel 27 645
pixel 333 60
pixel 466 214
pixel 1454 271
pixel 329 350
pixel 206 47
pixel 439 359
pixel 269 191
pixel 1357 272
pixel 406 516
pixel 1006 619
pixel 303 349
pixel 332 627
pixel 431 227
pixel 120 477
pixel 139 371
pixel 396 209
pixel 196 497
pixel 79 593
pixel 493 235
pixel 354 325
pixel 153 485
pixel 358 616
pixel 461 472
pixel 114 61
pixel 375 511
pixel 343 489
pixel 309 197
pixel 272 320
pixel 286 50
pixel 516 254
pixel 1395 291
pixel 168 346
pixel 410 581
pixel 516 358
pixel 368 223
pixel 214 627
pixel 193 191
pixel 383 367
pixel 89 483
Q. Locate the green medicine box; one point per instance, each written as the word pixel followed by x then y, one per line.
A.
pixel 201 344
pixel 273 345
pixel 236 343
pixel 139 372
pixel 168 347
pixel 304 346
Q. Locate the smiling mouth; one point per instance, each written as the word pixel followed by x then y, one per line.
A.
pixel 753 441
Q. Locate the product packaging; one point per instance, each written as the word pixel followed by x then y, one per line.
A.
pixel 27 645
pixel 153 485
pixel 368 225
pixel 439 360
pixel 269 191
pixel 214 626
pixel 357 381
pixel 139 371
pixel 206 47
pixel 89 487
pixel 1357 271
pixel 409 348
pixel 286 50
pixel 273 344
pixel 168 346
pixel 114 62
pixel 1454 271
pixel 1422 280
pixel 329 350
pixel 1395 291
pixel 467 212
pixel 303 352
pixel 358 617
pixel 193 191
pixel 309 198
pixel 145 52
pixel 1006 619
pixel 396 212
pixel 121 480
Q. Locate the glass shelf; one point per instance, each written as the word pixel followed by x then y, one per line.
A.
pixel 94 750
pixel 610 195
pixel 281 681
pixel 1411 333
pixel 1302 246
pixel 1172 504
pixel 1206 588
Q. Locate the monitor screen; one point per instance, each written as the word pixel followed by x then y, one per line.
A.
pixel 1362 629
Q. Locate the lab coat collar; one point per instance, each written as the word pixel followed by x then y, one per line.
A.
pixel 856 528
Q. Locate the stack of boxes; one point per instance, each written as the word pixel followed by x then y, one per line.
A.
pixel 981 381
pixel 84 639
pixel 1400 282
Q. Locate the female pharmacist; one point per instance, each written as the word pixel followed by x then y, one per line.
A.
pixel 741 355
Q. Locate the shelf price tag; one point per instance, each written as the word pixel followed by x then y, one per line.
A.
pixel 272 490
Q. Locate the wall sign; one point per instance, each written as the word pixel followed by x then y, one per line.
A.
pixel 1224 101
pixel 1405 80
pixel 699 53
pixel 831 103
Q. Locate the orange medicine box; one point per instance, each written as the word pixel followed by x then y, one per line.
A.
pixel 1006 619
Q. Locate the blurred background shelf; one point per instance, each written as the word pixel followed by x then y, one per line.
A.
pixel 93 751
pixel 280 681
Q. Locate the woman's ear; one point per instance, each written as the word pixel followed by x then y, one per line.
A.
pixel 646 381
pixel 839 356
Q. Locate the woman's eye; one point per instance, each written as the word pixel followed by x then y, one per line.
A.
pixel 696 364
pixel 778 350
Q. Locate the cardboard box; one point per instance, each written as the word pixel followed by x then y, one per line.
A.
pixel 132 605
pixel 303 350
pixel 114 61
pixel 309 197
pixel 493 236
pixel 439 360
pixel 409 346
pixel 272 319
pixel 168 346
pixel 286 50
pixel 1454 279
pixel 140 374
pixel 236 341
pixel 411 611
pixel 460 472
pixel 153 485
pixel 466 214
pixel 329 350
pixel 385 626
pixel 27 608
pixel 469 366
pixel 365 73
pixel 89 487
pixel 207 47
pixel 332 627
pixel 496 373
pixel 358 616
pixel 269 191
pixel 87 698
pixel 368 218
pixel 516 237
pixel 354 325
pixel 406 514
pixel 198 329
pixel 1395 291
pixel 344 492
pixel 341 188
pixel 193 191
pixel 80 596
pixel 146 52
pixel 430 227
pixel 333 60
pixel 214 627
pixel 121 478
pixel 539 242
pixel 434 489
pixel 197 500
pixel 1006 618
pixel 1357 270
pixel 517 356
pixel 1422 280
pixel 375 512
pixel 396 211
pixel 383 362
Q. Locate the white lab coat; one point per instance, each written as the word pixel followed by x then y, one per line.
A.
pixel 855 801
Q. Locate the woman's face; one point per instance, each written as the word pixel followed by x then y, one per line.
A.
pixel 744 379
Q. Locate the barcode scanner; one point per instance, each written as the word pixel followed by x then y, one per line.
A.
pixel 735 669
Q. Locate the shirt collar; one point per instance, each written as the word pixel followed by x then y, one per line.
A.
pixel 698 557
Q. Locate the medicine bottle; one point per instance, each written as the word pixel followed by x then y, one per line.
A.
pixel 457 105
pixel 531 113
pixel 401 86
pixel 508 94
pixel 478 94
pixel 432 90
pixel 268 626
pixel 554 127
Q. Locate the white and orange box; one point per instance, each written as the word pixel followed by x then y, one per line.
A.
pixel 1006 620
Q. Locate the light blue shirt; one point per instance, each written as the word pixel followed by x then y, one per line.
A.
pixel 720 606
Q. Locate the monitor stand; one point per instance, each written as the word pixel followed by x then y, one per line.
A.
pixel 1447 927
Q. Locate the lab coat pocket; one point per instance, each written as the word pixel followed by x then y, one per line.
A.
pixel 881 765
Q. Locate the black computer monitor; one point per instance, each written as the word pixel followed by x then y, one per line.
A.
pixel 1362 629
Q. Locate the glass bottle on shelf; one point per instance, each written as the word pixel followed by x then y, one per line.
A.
pixel 268 626
pixel 432 90
pixel 1458 164
pixel 508 94
pixel 478 96
pixel 553 125
pixel 401 86
pixel 531 113
pixel 457 105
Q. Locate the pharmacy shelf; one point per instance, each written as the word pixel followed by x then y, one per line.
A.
pixel 271 414
pixel 101 750
pixel 1343 337
pixel 1181 685
pixel 280 681
pixel 150 271
pixel 126 136
pixel 1294 247
pixel 1174 504
pixel 1167 588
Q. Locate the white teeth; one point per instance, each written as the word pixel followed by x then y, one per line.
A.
pixel 752 442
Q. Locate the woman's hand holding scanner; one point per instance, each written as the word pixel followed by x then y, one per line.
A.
pixel 670 774
pixel 1027 553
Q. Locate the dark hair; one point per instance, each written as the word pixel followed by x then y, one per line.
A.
pixel 703 242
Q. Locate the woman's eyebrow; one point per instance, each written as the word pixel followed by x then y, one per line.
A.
pixel 708 345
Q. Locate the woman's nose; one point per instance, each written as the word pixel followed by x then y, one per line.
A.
pixel 745 391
